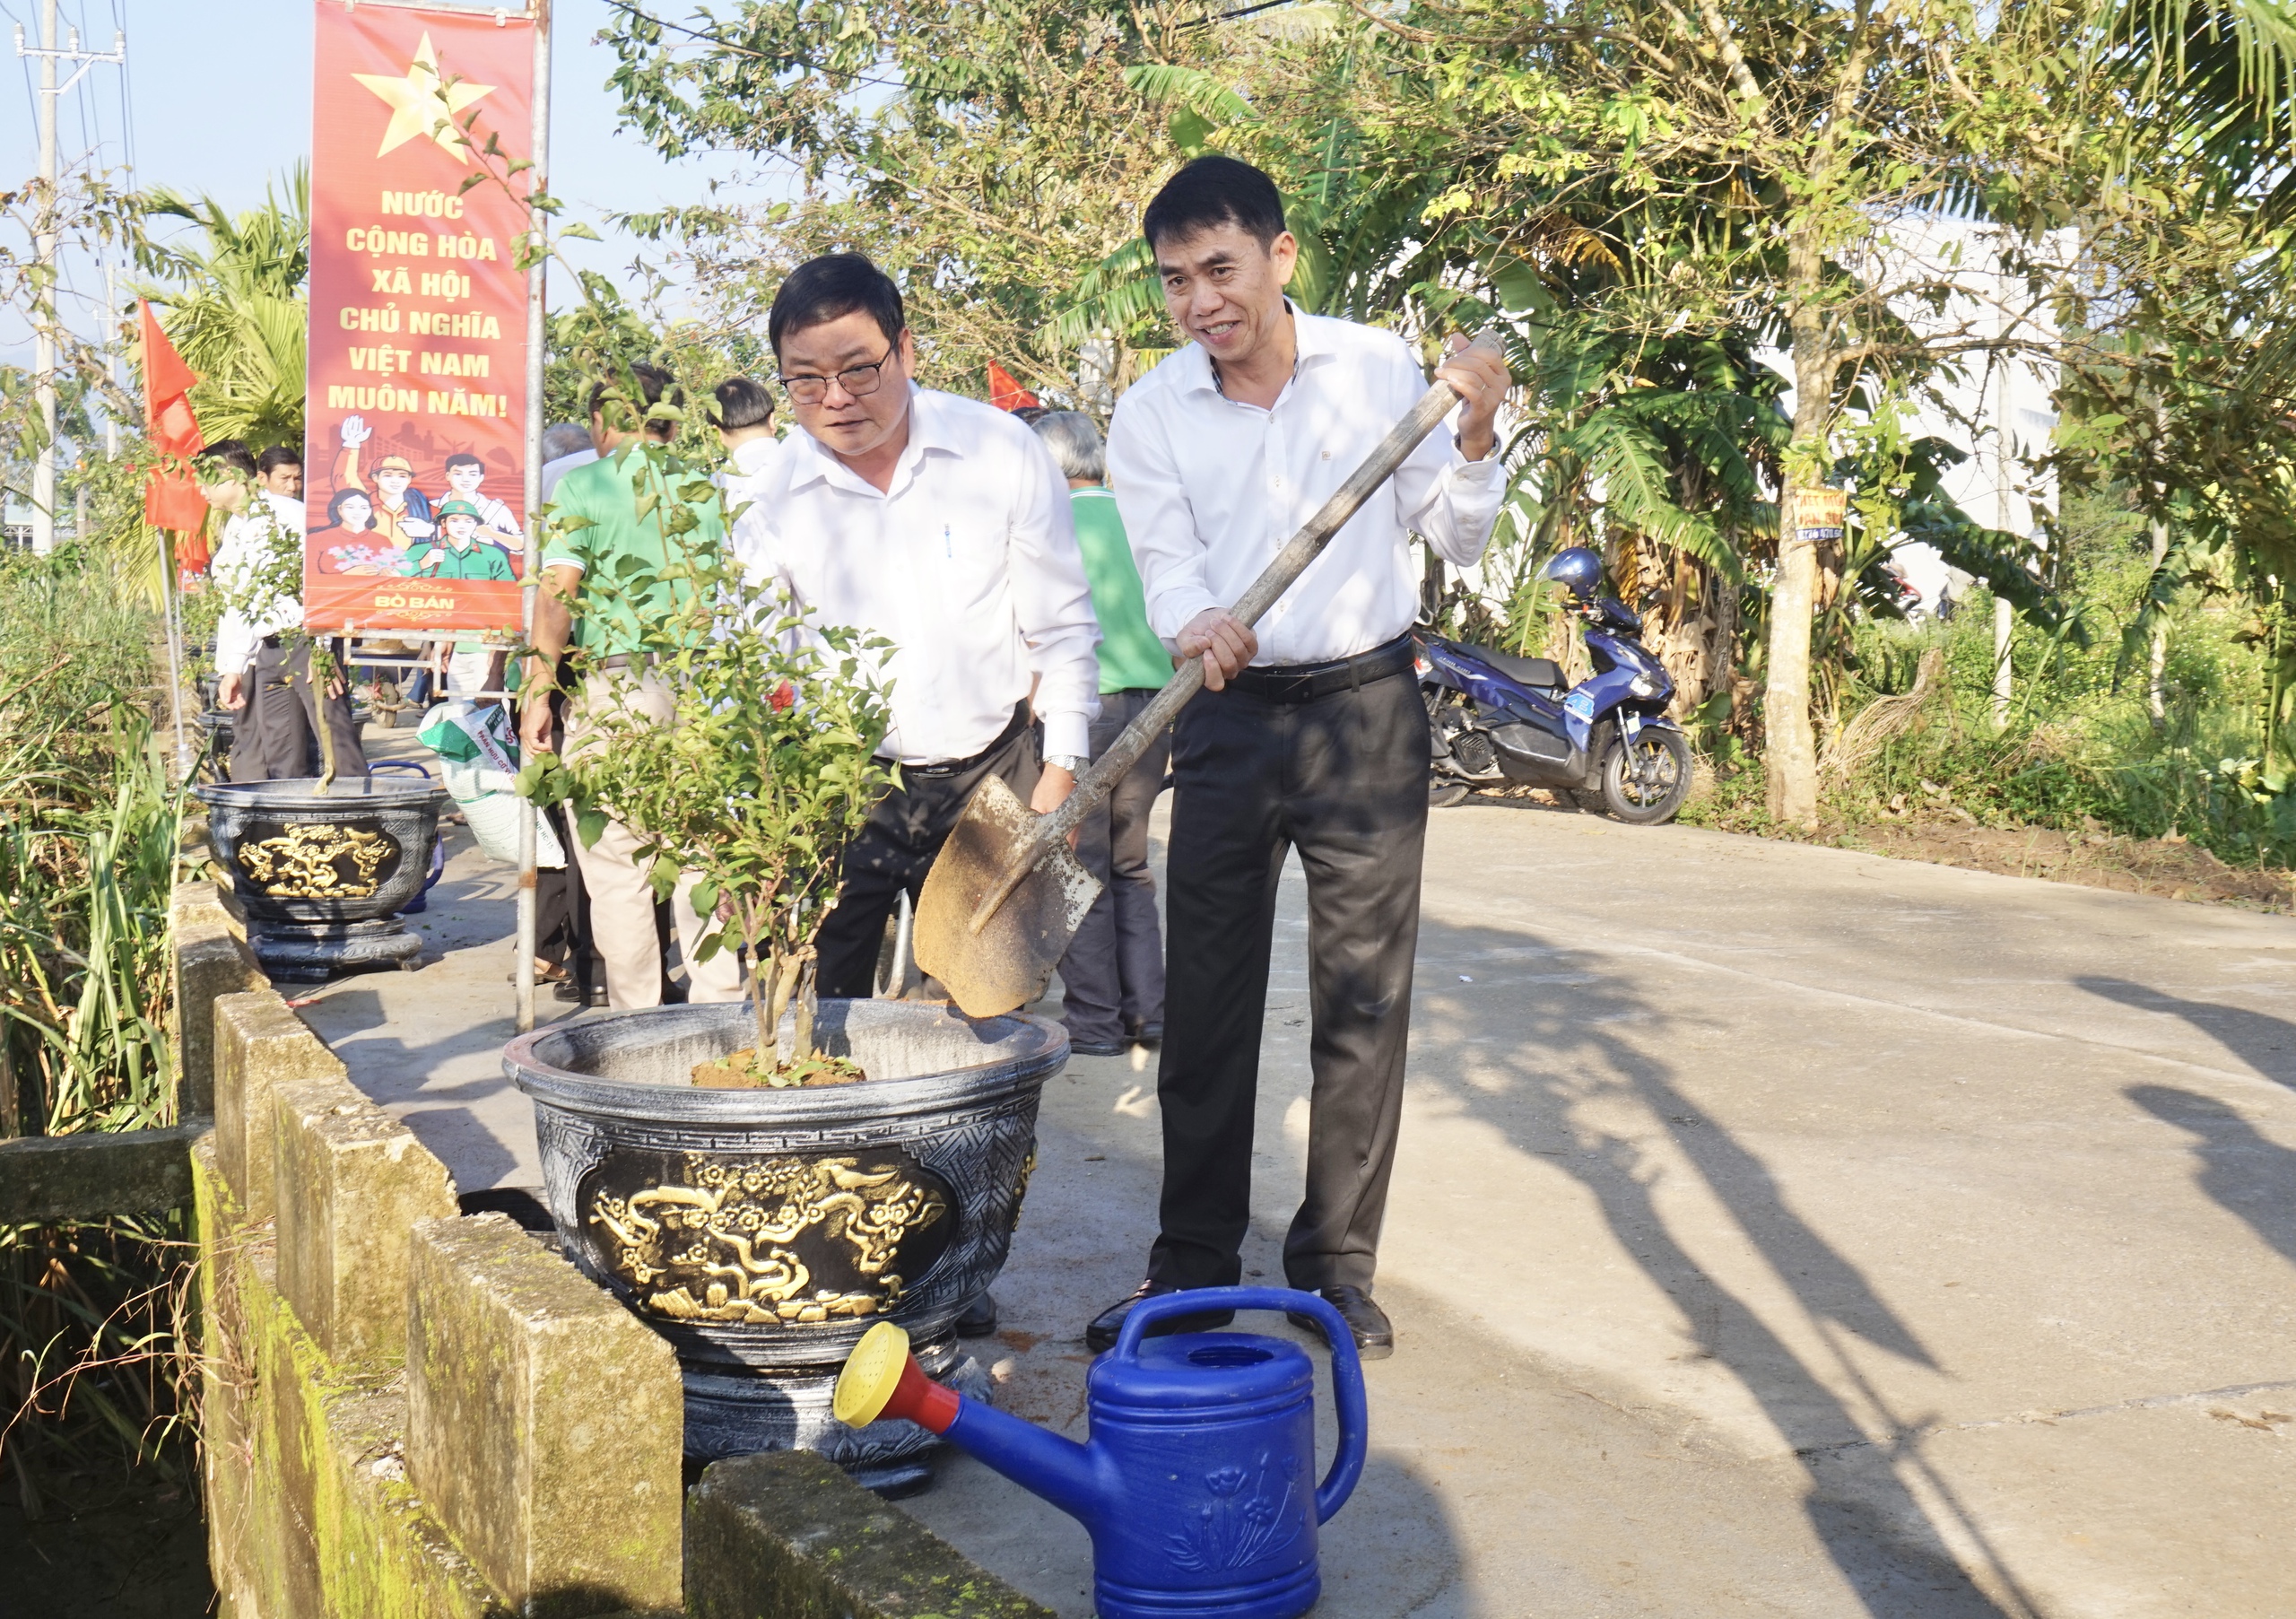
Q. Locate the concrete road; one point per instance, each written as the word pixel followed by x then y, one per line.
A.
pixel 1776 1229
pixel 427 1045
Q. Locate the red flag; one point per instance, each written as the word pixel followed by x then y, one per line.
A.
pixel 171 497
pixel 1004 393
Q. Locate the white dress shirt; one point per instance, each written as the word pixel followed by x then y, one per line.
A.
pixel 271 526
pixel 968 565
pixel 558 467
pixel 1212 489
pixel 744 471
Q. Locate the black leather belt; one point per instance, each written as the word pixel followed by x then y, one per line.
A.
pixel 957 767
pixel 624 660
pixel 1305 683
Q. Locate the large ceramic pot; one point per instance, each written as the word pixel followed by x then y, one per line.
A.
pixel 322 876
pixel 763 1231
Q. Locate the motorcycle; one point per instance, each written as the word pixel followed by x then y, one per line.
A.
pixel 1494 716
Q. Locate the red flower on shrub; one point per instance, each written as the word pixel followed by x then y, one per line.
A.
pixel 783 696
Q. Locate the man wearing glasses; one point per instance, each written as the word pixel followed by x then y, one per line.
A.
pixel 941 525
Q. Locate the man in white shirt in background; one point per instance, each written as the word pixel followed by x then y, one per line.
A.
pixel 565 446
pixel 941 525
pixel 1309 733
pixel 262 664
pixel 279 471
pixel 744 414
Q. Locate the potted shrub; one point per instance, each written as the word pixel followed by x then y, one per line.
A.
pixel 866 1159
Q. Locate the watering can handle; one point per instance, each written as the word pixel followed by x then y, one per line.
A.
pixel 1346 1369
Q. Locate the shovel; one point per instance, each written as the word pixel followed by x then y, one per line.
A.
pixel 1007 895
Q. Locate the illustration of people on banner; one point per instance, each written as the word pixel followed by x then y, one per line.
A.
pixel 386 523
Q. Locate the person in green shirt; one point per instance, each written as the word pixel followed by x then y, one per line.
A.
pixel 456 550
pixel 603 629
pixel 1114 971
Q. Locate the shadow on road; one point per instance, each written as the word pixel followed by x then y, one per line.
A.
pixel 2249 1174
pixel 2266 1043
pixel 1873 1501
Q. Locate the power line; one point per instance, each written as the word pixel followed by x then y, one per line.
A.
pixel 1207 21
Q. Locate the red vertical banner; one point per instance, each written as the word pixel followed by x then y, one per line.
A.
pixel 415 421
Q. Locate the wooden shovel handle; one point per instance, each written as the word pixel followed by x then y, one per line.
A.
pixel 1303 548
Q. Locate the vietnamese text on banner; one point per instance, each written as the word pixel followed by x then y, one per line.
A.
pixel 415 430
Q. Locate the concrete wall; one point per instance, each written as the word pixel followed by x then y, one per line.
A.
pixel 411 1413
pixel 532 1467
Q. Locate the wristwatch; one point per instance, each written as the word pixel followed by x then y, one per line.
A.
pixel 1074 764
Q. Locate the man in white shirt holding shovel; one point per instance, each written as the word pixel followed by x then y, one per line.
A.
pixel 1308 734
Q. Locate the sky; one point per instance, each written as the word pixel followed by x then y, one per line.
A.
pixel 216 99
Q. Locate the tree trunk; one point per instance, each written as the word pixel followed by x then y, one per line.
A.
pixel 322 675
pixel 801 1043
pixel 1690 619
pixel 2156 690
pixel 1791 759
pixel 764 972
pixel 1790 762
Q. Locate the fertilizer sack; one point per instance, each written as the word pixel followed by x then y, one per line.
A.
pixel 480 754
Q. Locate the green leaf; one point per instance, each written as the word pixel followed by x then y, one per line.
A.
pixel 1192 88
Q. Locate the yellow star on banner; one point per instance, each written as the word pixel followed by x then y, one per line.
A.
pixel 422 103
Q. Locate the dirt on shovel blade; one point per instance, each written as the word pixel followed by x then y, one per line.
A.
pixel 740 1072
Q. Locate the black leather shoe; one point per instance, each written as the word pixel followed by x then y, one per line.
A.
pixel 1095 1048
pixel 979 1318
pixel 1145 1034
pixel 1374 1334
pixel 1101 1337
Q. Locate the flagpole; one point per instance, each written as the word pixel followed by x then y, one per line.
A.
pixel 536 289
pixel 175 649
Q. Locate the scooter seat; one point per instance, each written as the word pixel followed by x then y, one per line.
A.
pixel 1540 674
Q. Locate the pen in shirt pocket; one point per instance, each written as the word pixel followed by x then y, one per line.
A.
pixel 948 545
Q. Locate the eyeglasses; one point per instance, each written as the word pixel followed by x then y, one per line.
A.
pixel 858 382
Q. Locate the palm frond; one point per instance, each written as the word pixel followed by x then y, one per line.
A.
pixel 1117 293
pixel 1168 84
pixel 1627 458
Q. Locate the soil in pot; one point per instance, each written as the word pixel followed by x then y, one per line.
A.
pixel 738 1071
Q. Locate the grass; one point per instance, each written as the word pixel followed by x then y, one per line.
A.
pixel 89 1313
pixel 2081 748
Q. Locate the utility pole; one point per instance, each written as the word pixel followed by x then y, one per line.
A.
pixel 44 293
pixel 2004 616
pixel 111 357
pixel 537 309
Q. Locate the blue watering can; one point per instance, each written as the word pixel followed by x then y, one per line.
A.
pixel 1195 1483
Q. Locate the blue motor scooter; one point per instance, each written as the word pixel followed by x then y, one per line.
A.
pixel 1607 741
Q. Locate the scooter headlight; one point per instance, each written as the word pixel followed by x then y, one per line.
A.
pixel 1644 686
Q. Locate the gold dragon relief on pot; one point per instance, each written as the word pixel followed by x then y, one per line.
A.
pixel 719 1247
pixel 303 862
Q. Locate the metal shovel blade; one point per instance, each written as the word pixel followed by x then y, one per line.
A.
pixel 1010 961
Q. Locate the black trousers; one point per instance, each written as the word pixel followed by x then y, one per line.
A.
pixel 271 739
pixel 1112 979
pixel 896 848
pixel 1343 779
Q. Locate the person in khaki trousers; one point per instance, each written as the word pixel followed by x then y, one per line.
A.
pixel 615 675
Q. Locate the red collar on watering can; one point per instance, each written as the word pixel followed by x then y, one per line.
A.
pixel 1197 1484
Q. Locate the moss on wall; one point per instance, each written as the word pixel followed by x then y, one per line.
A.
pixel 309 1509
